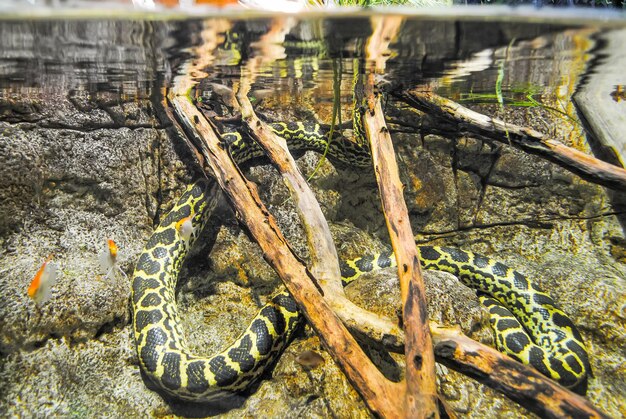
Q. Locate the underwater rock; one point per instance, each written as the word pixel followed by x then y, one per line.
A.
pixel 95 378
pixel 102 194
pixel 67 192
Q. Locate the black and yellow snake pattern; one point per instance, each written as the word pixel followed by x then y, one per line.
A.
pixel 527 323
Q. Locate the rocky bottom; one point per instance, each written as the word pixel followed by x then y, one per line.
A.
pixel 74 355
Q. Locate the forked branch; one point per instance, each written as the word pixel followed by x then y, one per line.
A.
pixel 379 394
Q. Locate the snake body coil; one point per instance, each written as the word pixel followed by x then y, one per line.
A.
pixel 528 324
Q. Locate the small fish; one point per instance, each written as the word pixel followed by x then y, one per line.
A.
pixel 40 287
pixel 310 360
pixel 108 259
pixel 185 228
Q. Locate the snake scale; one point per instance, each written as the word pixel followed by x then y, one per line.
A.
pixel 528 324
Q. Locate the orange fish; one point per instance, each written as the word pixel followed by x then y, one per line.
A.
pixel 40 287
pixel 108 259
pixel 112 249
pixel 185 228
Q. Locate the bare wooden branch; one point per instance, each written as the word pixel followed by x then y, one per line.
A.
pixel 377 392
pixel 367 325
pixel 325 265
pixel 324 260
pixel 421 381
pixel 446 112
pixel 518 382
pixel 421 392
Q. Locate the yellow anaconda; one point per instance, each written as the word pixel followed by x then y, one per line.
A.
pixel 528 324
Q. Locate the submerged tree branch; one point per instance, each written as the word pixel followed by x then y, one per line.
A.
pixel 421 382
pixel 325 265
pixel 445 112
pixel 421 391
pixel 522 384
pixel 380 395
pixel 324 259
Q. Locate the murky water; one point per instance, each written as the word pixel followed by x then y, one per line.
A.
pixel 88 153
